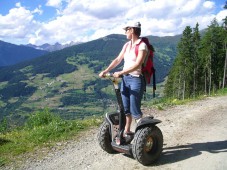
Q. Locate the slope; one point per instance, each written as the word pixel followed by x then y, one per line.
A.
pixel 11 54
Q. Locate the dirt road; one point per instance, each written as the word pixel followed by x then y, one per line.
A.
pixel 195 137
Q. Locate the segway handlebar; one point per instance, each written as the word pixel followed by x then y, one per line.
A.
pixel 114 80
pixel 109 75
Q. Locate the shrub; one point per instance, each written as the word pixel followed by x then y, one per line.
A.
pixel 40 118
pixel 3 125
pixel 2 161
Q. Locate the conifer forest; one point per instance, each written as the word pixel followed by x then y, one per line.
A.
pixel 201 61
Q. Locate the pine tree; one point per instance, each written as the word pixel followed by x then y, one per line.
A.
pixel 186 53
pixel 196 46
pixel 204 68
pixel 215 42
pixel 180 77
pixel 224 33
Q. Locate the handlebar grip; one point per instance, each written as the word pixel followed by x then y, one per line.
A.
pixel 108 75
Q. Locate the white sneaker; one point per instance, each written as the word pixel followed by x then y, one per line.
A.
pixel 137 120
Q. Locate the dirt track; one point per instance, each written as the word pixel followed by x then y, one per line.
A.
pixel 195 137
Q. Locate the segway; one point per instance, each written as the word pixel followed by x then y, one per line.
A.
pixel 145 144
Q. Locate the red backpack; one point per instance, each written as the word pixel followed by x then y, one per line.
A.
pixel 148 65
pixel 148 69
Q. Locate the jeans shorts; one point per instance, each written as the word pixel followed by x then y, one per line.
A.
pixel 132 89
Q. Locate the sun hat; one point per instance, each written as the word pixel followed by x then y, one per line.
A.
pixel 135 25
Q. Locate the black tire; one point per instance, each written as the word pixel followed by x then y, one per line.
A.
pixel 147 145
pixel 104 138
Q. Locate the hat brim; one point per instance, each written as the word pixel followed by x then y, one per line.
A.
pixel 130 27
pixel 126 27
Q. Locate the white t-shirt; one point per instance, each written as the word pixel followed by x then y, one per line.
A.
pixel 130 55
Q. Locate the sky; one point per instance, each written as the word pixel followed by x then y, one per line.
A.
pixel 50 21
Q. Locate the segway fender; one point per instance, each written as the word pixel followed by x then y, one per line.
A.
pixel 147 121
pixel 112 118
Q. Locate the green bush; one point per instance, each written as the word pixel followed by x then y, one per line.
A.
pixel 53 131
pixel 44 126
pixel 3 125
pixel 222 91
pixel 2 161
pixel 41 118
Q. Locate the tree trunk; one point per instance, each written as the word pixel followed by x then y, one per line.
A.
pixel 194 83
pixel 210 76
pixel 179 88
pixel 224 78
pixel 183 89
pixel 205 84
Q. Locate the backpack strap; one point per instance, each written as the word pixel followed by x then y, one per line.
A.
pixel 154 82
pixel 146 41
pixel 137 45
pixel 137 51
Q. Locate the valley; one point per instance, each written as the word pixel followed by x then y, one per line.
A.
pixel 67 82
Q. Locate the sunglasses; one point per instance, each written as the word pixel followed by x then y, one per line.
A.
pixel 127 29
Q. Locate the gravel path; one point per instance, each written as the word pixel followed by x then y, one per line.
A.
pixel 195 137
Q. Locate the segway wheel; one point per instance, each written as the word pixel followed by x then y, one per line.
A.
pixel 147 145
pixel 104 138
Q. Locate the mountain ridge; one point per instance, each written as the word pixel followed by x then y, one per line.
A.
pixel 54 47
pixel 11 54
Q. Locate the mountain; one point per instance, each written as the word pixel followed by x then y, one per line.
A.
pixel 11 54
pixel 50 48
pixel 67 80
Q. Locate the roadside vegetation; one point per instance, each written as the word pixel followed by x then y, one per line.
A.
pixel 165 102
pixel 43 129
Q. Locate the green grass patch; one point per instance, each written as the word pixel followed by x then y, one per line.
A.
pixel 3 84
pixel 222 92
pixel 2 104
pixel 42 129
pixel 2 161
pixel 162 103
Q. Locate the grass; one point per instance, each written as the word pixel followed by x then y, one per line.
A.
pixel 222 92
pixel 162 103
pixel 42 130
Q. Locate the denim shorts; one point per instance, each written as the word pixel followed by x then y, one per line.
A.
pixel 132 89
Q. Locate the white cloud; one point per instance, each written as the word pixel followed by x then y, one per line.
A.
pixel 38 10
pixel 84 20
pixel 18 4
pixel 221 15
pixel 208 4
pixel 18 24
pixel 54 3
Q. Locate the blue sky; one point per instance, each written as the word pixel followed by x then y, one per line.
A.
pixel 63 21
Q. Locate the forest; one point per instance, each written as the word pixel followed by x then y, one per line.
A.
pixel 200 65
